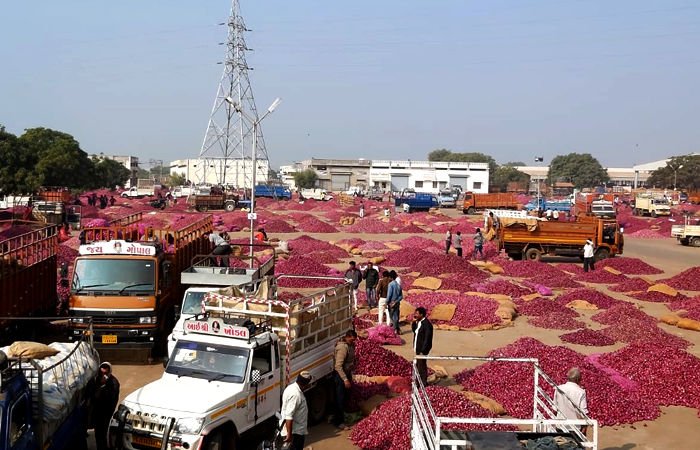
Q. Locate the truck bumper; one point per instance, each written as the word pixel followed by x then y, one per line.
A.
pixel 132 439
pixel 135 338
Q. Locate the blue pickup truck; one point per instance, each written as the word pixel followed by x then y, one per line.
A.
pixel 280 192
pixel 417 201
pixel 554 205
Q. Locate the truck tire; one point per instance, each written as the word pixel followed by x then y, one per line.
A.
pixel 533 254
pixel 471 210
pixel 695 241
pixel 229 206
pixel 653 214
pixel 602 253
pixel 202 208
pixel 223 438
pixel 318 399
pixel 515 256
pixel 684 241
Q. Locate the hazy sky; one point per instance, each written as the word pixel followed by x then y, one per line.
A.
pixel 390 79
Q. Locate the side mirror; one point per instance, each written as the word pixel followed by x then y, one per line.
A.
pixel 255 377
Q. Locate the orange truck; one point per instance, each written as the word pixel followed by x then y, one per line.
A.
pixel 27 272
pixel 473 202
pixel 596 205
pixel 127 284
pixel 532 239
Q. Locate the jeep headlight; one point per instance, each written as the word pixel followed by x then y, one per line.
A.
pixel 147 320
pixel 189 425
pixel 78 320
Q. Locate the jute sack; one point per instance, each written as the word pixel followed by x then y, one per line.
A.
pixel 413 274
pixel 442 326
pixel 612 271
pixel 664 289
pixel 377 259
pixel 688 324
pixel 531 297
pixel 368 406
pixel 31 350
pixel 485 402
pixel 505 312
pixel 406 310
pixel 581 304
pixel 444 312
pixel 431 283
pixel 670 319
pixel 493 268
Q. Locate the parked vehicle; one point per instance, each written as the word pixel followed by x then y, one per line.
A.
pixel 357 191
pixel 687 234
pixel 316 194
pixel 532 238
pixel 43 402
pixel 182 191
pixel 201 278
pixel 128 283
pixel 651 205
pixel 418 201
pixel 145 187
pixel 217 201
pixel 447 199
pixel 428 428
pixel 28 275
pixel 231 366
pixel 553 205
pixel 598 205
pixel 473 202
pixel 376 194
pixel 278 192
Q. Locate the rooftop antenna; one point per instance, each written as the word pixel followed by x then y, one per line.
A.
pixel 229 137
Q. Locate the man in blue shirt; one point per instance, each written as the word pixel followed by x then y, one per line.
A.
pixel 393 299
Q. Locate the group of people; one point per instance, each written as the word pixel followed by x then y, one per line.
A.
pixel 456 240
pixel 382 292
pixel 93 200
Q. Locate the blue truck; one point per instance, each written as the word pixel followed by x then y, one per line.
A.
pixel 544 204
pixel 43 402
pixel 416 201
pixel 279 192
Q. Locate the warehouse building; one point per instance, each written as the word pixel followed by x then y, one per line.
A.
pixel 429 176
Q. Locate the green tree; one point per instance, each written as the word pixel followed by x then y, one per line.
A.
pixel 507 174
pixel 306 179
pixel 514 164
pixel 178 179
pixel 445 155
pixel 59 159
pixel 109 173
pixel 581 169
pixel 16 165
pixel 680 172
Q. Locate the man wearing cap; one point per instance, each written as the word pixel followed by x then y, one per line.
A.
pixel 588 256
pixel 343 365
pixel 295 412
pixel 104 396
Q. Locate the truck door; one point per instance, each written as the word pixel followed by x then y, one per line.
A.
pixel 268 388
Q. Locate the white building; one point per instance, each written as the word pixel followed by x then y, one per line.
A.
pixel 428 176
pixel 287 172
pixel 225 171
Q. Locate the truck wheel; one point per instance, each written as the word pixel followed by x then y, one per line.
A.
pixel 202 208
pixel 533 254
pixel 220 440
pixel 229 207
pixel 695 241
pixel 653 214
pixel 602 253
pixel 471 210
pixel 317 400
pixel 515 256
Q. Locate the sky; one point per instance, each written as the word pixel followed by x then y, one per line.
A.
pixel 389 79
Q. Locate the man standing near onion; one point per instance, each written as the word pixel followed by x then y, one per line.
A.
pixel 570 397
pixel 355 276
pixel 422 341
pixel 393 299
pixel 343 366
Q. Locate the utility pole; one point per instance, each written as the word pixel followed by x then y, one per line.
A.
pixel 228 135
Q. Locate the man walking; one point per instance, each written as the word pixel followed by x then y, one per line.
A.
pixel 393 299
pixel 570 398
pixel 295 413
pixel 478 244
pixel 355 276
pixel 588 256
pixel 458 243
pixel 371 276
pixel 422 341
pixel 382 292
pixel 104 397
pixel 343 366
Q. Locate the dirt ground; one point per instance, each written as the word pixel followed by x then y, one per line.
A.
pixel 677 428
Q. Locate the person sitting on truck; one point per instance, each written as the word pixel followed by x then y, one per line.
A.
pixel 104 396
pixel 570 396
pixel 295 412
pixel 588 256
pixel 355 276
pixel 343 366
pixel 221 247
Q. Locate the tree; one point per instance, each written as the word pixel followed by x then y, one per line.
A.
pixel 514 164
pixel 109 173
pixel 508 174
pixel 16 165
pixel 306 179
pixel 445 155
pixel 581 169
pixel 59 159
pixel 178 179
pixel 680 172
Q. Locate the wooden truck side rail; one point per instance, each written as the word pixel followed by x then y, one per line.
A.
pixel 473 201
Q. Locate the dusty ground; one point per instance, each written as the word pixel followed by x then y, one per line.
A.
pixel 677 428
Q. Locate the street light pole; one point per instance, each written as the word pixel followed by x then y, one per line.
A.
pixel 538 159
pixel 254 161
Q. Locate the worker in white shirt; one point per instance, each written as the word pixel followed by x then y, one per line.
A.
pixel 588 256
pixel 555 214
pixel 295 413
pixel 570 398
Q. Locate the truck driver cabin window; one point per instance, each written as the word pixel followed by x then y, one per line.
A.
pixel 262 359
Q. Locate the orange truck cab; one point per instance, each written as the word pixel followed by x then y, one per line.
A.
pixel 128 286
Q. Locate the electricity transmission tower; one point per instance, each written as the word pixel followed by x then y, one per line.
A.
pixel 228 142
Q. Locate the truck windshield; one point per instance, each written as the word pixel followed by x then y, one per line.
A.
pixel 207 361
pixel 192 303
pixel 122 275
pixel 660 201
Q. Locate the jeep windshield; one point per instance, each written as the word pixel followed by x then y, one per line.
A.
pixel 121 275
pixel 208 361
